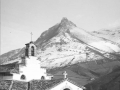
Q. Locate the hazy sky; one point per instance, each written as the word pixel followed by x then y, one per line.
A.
pixel 20 17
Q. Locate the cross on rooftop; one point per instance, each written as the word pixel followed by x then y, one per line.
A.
pixel 65 74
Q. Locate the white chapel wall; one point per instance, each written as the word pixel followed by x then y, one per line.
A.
pixel 32 70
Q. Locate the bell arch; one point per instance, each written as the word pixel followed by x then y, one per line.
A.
pixel 30 49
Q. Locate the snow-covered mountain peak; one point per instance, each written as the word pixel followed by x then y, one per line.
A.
pixel 66 22
pixel 65 44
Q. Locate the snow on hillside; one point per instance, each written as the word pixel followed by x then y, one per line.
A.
pixel 112 34
pixel 71 45
pixel 94 41
pixel 66 44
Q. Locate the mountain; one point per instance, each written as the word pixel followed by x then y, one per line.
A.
pixel 12 56
pixel 112 34
pixel 85 56
pixel 66 44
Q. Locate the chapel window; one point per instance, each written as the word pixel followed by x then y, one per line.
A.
pixel 23 77
pixel 42 78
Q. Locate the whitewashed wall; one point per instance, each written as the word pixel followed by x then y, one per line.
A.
pixel 32 70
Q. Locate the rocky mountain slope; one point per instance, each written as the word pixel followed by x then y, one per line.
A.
pixel 12 56
pixel 112 34
pixel 66 44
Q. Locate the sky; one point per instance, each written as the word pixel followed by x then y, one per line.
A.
pixel 21 17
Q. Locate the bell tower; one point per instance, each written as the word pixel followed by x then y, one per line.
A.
pixel 30 49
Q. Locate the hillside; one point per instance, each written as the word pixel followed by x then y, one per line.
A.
pixel 85 56
pixel 112 34
pixel 66 44
pixel 110 81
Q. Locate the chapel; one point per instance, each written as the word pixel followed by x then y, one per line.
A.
pixel 26 69
pixel 32 68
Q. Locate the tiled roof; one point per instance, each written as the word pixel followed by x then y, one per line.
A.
pixel 43 84
pixel 32 85
pixel 19 85
pixel 5 84
pixel 75 83
pixel 47 84
pixel 13 85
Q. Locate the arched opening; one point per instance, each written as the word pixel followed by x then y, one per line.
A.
pixel 66 89
pixel 32 51
pixel 26 52
pixel 52 78
pixel 42 78
pixel 23 77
